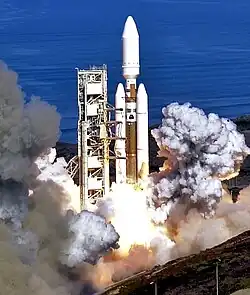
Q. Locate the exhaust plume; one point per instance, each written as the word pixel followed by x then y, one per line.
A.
pixel 44 236
pixel 91 237
pixel 27 129
pixel 37 231
pixel 165 220
pixel 202 150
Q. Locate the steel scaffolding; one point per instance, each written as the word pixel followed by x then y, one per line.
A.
pixel 93 146
pixel 95 132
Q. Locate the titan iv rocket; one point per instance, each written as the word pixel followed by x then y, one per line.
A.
pixel 131 113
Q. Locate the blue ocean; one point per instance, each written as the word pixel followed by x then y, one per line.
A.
pixel 196 51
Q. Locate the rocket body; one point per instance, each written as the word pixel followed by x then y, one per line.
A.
pixel 131 142
pixel 133 127
pixel 142 132
pixel 120 144
pixel 131 70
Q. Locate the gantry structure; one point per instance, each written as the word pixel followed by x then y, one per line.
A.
pixel 95 132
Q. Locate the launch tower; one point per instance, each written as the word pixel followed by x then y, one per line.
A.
pixel 93 133
pixel 96 130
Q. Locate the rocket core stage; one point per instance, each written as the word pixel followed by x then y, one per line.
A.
pixel 131 113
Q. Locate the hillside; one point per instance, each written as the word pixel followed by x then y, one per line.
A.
pixel 195 274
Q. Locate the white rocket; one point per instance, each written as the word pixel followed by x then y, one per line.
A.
pixel 142 132
pixel 131 113
pixel 120 145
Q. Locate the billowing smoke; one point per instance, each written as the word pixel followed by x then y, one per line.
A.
pixel 150 245
pixel 27 130
pixel 200 150
pixel 38 234
pixel 44 236
pixel 91 237
pixel 196 233
pixel 167 220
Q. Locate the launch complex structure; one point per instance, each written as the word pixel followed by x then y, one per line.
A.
pixel 96 130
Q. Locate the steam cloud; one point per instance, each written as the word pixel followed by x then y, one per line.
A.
pixel 27 130
pixel 91 238
pixel 36 230
pixel 201 149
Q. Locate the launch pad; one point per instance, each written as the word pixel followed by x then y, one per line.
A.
pixel 96 130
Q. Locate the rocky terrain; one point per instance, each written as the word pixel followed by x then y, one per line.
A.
pixel 195 274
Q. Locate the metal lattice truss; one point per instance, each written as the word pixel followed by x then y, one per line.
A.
pixel 93 133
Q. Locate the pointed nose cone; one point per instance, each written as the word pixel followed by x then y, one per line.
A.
pixel 130 29
pixel 142 100
pixel 120 92
pixel 120 103
pixel 142 91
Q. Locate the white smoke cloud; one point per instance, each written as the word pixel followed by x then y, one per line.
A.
pixel 165 222
pixel 35 225
pixel 58 174
pixel 27 129
pixel 38 233
pixel 91 237
pixel 202 150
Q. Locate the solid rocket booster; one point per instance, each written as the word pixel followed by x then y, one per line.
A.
pixel 120 144
pixel 142 132
pixel 131 70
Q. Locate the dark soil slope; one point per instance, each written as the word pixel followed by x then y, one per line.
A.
pixel 195 274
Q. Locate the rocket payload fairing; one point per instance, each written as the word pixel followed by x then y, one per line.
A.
pixel 131 113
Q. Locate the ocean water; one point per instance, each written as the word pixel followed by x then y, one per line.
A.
pixel 191 50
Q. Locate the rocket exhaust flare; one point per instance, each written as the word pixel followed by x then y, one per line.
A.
pixel 142 132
